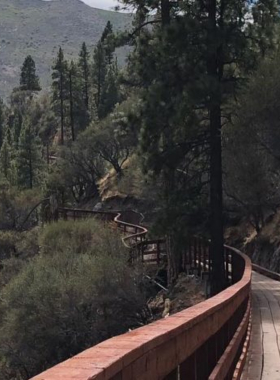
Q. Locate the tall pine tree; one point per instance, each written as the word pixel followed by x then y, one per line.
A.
pixel 29 157
pixel 107 40
pixel 29 80
pixel 110 95
pixel 2 121
pixel 190 66
pixel 99 73
pixel 7 155
pixel 60 87
pixel 84 67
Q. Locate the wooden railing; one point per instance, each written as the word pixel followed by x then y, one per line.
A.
pixel 202 342
pixel 134 235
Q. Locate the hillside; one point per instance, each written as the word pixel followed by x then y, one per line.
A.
pixel 39 27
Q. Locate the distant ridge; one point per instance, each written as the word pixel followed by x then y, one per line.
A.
pixel 39 27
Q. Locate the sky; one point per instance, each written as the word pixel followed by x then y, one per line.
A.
pixel 102 4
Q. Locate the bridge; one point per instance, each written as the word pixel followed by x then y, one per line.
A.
pixel 233 335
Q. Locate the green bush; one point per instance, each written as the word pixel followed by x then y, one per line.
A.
pixel 85 236
pixel 8 240
pixel 67 299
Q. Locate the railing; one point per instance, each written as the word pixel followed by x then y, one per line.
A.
pixel 266 272
pixel 202 342
pixel 134 235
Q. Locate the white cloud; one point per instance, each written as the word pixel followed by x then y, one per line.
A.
pixel 102 4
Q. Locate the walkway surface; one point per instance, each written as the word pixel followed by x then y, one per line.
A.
pixel 263 361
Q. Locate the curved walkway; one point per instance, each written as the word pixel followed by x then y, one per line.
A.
pixel 263 360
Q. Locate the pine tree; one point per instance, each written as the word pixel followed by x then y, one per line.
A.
pixel 107 40
pixel 6 156
pixel 190 67
pixel 85 73
pixel 110 94
pixel 72 73
pixel 29 157
pixel 60 87
pixel 99 73
pixel 29 81
pixel 2 121
pixel 79 114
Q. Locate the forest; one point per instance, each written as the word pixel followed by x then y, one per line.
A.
pixel 188 130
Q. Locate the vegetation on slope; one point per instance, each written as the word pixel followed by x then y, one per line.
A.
pixel 38 28
pixel 78 291
pixel 185 124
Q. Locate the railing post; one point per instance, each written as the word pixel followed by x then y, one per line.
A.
pixel 227 265
pixel 199 257
pixel 212 353
pixel 205 254
pixel 201 359
pixel 195 253
pixel 173 375
pixel 187 369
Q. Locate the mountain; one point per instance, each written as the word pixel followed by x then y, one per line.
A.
pixel 39 27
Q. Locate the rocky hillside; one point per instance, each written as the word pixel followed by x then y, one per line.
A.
pixel 264 247
pixel 39 27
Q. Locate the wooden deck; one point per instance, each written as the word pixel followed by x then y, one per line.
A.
pixel 263 361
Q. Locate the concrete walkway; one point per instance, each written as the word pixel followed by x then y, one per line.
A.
pixel 263 361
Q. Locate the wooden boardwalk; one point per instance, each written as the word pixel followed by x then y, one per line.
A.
pixel 263 361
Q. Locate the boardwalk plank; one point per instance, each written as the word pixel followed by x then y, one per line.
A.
pixel 263 361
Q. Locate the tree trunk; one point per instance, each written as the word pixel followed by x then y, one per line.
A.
pixel 61 110
pixel 165 12
pixel 71 105
pixel 216 203
pixel 214 68
pixel 86 84
pixel 30 169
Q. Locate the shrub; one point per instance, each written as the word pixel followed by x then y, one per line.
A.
pixel 85 236
pixel 67 299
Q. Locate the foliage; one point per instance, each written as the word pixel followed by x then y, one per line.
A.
pixel 44 26
pixel 87 236
pixel 77 172
pixel 189 67
pixel 251 149
pixel 2 121
pixel 60 90
pixel 28 160
pixel 62 303
pixel 29 80
pixel 15 208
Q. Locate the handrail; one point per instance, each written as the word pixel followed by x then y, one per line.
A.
pixel 135 236
pixel 266 272
pixel 199 343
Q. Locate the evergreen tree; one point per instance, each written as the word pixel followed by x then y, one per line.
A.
pixel 110 93
pixel 78 111
pixel 20 103
pixel 28 157
pixel 6 156
pixel 29 81
pixel 107 40
pixel 60 87
pixel 99 73
pixel 85 73
pixel 72 74
pixel 2 121
pixel 190 67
